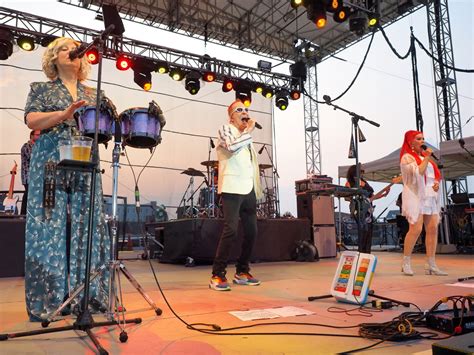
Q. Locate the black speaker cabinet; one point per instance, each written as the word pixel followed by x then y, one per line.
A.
pixel 318 209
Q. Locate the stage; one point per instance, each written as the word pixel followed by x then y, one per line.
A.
pixel 283 284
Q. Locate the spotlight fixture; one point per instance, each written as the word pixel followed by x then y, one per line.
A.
pixel 258 88
pixel 142 79
pixel 358 22
pixel 243 92
pixel 295 94
pixel 209 76
pixel 281 99
pixel 296 3
pixel 92 55
pixel 267 92
pixel 316 13
pixel 227 85
pixel 264 66
pixel 162 67
pixel 341 14
pixel 333 5
pixel 26 43
pixel 192 83
pixel 123 62
pixel 46 40
pixel 6 44
pixel 176 74
pixel 373 20
pixel 298 71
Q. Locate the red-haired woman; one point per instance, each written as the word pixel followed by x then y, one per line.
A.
pixel 420 196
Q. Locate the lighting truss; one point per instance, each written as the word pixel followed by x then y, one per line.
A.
pixel 27 24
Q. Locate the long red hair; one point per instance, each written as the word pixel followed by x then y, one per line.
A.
pixel 406 149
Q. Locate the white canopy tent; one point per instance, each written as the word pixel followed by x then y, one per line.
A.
pixel 383 169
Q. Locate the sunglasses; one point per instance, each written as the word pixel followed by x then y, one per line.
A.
pixel 240 109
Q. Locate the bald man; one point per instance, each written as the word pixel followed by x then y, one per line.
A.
pixel 239 186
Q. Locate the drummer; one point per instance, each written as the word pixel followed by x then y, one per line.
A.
pixel 50 107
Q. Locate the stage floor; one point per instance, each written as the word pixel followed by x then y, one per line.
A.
pixel 283 284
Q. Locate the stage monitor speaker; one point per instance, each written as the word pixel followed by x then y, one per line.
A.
pixel 319 209
pixel 324 238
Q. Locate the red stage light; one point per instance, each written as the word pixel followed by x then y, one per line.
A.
pixel 228 85
pixel 209 76
pixel 92 56
pixel 295 94
pixel 123 63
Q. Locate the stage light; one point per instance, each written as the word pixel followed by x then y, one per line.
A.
pixel 358 22
pixel 123 62
pixel 176 74
pixel 341 14
pixel 333 5
pixel 295 94
pixel 258 88
pixel 298 71
pixel 267 92
pixel 26 43
pixel 296 3
pixel 45 41
pixel 227 85
pixel 264 66
pixel 373 20
pixel 92 55
pixel 316 13
pixel 192 83
pixel 281 100
pixel 6 44
pixel 209 76
pixel 162 67
pixel 142 79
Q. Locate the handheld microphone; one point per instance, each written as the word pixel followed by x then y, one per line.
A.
pixel 424 147
pixel 212 143
pixel 261 149
pixel 78 52
pixel 257 125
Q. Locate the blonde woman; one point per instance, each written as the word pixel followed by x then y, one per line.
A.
pixel 54 265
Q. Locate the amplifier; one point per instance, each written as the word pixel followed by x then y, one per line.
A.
pixel 451 321
pixel 314 183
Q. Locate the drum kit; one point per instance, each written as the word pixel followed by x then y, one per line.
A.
pixel 208 201
pixel 209 204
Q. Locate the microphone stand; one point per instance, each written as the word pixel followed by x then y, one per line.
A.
pixel 355 118
pixel 275 183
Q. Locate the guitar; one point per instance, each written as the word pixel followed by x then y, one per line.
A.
pixel 10 202
pixel 382 193
pixel 363 204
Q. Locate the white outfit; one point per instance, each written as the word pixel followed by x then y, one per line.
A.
pixel 418 195
pixel 238 164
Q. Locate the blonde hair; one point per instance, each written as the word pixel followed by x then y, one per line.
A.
pixel 51 54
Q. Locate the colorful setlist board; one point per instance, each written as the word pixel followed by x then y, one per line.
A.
pixel 352 280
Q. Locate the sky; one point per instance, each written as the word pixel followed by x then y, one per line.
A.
pixel 382 93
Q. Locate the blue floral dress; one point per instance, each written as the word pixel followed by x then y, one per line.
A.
pixel 49 273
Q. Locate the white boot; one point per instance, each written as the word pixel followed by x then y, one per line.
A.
pixel 432 269
pixel 406 266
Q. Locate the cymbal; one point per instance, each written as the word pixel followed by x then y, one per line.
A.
pixel 192 172
pixel 264 166
pixel 210 163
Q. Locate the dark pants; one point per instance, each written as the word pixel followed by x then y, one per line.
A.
pixel 365 238
pixel 24 200
pixel 235 206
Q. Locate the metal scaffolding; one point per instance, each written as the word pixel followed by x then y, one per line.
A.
pixel 439 31
pixel 311 122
